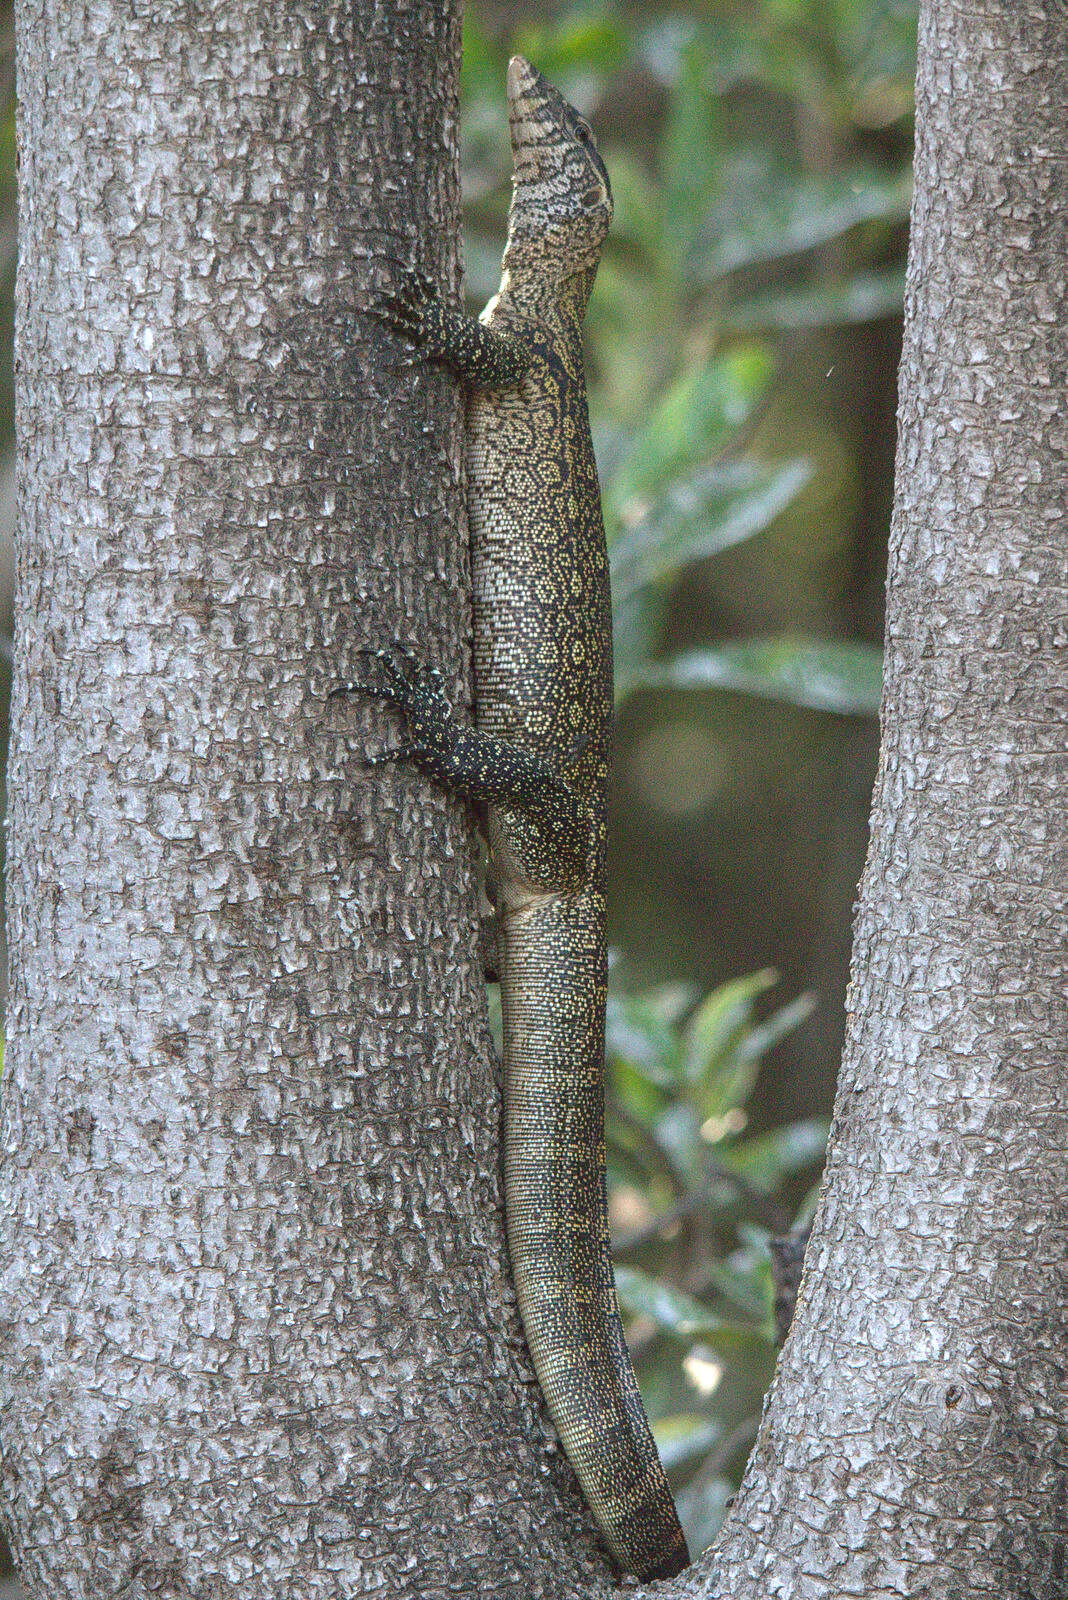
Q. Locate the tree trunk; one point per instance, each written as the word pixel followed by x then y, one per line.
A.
pixel 915 1441
pixel 258 1338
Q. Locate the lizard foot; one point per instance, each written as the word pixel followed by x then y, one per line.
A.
pixel 478 355
pixel 401 680
pixel 410 310
pixel 420 693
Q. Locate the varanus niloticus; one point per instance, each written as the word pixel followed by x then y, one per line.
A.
pixel 537 759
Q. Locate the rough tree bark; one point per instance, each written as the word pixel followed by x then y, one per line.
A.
pixel 257 1337
pixel 915 1441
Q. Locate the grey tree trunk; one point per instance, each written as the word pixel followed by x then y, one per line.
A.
pixel 916 1439
pixel 257 1334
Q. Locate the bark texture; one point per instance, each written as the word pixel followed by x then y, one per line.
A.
pixel 915 1441
pixel 257 1338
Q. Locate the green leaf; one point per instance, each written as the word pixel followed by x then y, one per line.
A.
pixel 711 1039
pixel 690 150
pixel 743 1283
pixel 769 213
pixel 823 674
pixel 669 1309
pixel 878 43
pixel 752 1260
pixel 769 1158
pixel 863 298
pixel 635 1091
pixel 692 421
pixel 728 1082
pixel 684 1439
pixel 8 151
pixel 699 515
pixel 763 1035
pixel 642 1031
pixel 678 1135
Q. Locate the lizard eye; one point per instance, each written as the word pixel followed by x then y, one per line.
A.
pixel 584 131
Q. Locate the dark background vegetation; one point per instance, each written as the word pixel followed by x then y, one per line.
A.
pixel 743 345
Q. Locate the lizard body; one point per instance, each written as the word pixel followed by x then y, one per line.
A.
pixel 537 760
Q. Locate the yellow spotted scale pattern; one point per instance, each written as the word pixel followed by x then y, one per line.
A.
pixel 537 759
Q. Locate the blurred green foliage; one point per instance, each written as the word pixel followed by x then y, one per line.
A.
pixel 693 1197
pixel 760 162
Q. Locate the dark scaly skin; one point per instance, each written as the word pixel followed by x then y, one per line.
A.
pixel 538 761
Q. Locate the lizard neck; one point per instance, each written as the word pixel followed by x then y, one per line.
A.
pixel 530 294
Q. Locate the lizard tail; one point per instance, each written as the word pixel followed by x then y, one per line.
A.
pixel 554 1003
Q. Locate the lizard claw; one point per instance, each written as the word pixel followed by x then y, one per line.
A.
pixel 401 752
pixel 374 691
pixel 404 308
pixel 405 680
pixel 393 688
pixel 405 666
pixel 398 663
pixel 424 289
pixel 399 678
pixel 395 312
pixel 383 657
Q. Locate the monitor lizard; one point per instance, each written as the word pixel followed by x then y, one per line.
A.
pixel 537 762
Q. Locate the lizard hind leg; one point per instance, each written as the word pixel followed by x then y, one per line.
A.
pixel 548 821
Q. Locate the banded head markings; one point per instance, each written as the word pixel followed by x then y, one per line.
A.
pixel 561 197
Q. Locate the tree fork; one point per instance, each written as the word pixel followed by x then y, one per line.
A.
pixel 257 1334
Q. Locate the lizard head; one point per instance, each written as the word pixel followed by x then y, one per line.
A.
pixel 561 197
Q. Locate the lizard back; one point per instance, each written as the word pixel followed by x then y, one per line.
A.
pixel 541 600
pixel 543 681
